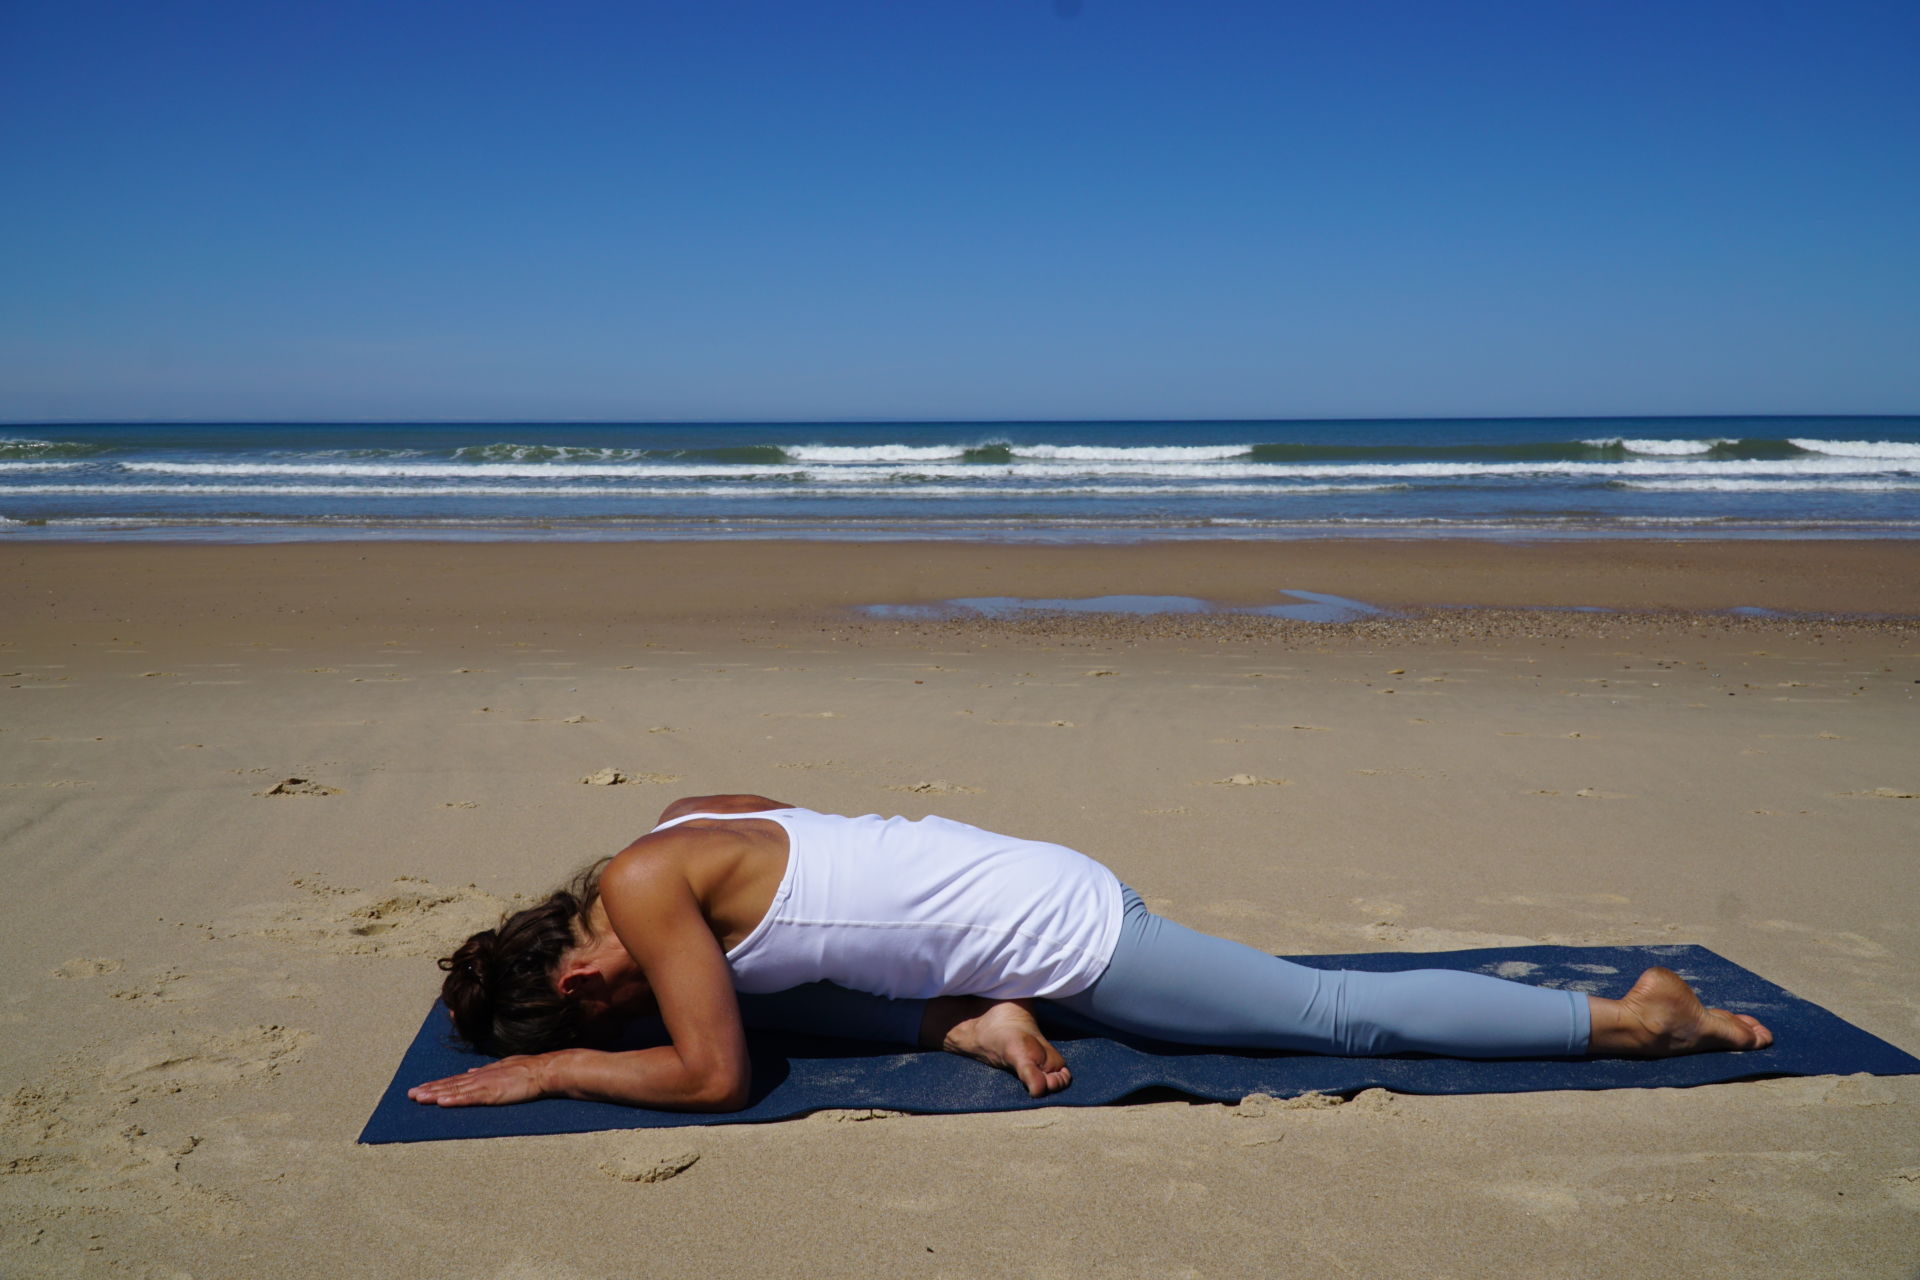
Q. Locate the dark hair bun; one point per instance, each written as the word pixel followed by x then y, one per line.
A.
pixel 467 988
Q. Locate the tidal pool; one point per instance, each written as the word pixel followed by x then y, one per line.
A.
pixel 1311 606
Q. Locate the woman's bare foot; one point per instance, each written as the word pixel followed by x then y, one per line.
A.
pixel 1661 1017
pixel 1000 1033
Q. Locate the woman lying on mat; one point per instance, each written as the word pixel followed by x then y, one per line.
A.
pixel 737 895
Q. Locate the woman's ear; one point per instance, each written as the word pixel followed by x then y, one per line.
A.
pixel 579 977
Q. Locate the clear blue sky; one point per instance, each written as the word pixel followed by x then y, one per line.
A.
pixel 957 208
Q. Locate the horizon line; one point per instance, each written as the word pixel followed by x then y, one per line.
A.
pixel 905 422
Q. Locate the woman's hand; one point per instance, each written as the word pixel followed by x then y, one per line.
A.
pixel 515 1079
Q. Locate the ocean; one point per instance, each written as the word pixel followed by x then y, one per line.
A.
pixel 1800 477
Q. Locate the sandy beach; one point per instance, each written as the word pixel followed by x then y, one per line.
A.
pixel 213 970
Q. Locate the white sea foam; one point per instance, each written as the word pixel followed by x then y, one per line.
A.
pixel 38 466
pixel 1661 448
pixel 1403 471
pixel 30 444
pixel 508 452
pixel 855 454
pixel 1137 454
pixel 1722 484
pixel 875 452
pixel 1860 448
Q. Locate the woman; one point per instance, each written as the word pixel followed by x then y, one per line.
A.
pixel 742 894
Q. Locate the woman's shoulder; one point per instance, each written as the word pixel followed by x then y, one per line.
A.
pixel 661 857
pixel 733 803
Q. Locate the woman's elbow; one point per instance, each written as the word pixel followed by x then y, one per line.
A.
pixel 727 1091
pixel 716 1085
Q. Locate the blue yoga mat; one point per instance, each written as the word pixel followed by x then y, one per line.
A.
pixel 794 1075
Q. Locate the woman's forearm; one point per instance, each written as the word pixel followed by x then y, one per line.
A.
pixel 656 1077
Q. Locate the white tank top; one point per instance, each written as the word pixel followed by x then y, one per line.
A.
pixel 914 910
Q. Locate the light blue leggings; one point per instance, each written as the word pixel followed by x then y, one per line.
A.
pixel 1169 982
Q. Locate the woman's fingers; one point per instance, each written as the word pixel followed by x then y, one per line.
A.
pixel 443 1091
pixel 495 1084
pixel 456 1094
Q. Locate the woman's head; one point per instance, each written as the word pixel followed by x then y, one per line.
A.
pixel 500 985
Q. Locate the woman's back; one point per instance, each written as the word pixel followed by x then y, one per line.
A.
pixel 915 909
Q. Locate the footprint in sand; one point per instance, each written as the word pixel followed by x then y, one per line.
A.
pixel 852 1115
pixel 299 787
pixel 641 1168
pixel 617 778
pixel 410 917
pixel 1257 1106
pixel 86 967
pixel 1244 780
pixel 937 787
pixel 174 1060
pixel 168 986
pixel 1880 793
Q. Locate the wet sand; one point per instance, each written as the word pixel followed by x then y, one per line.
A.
pixel 212 982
